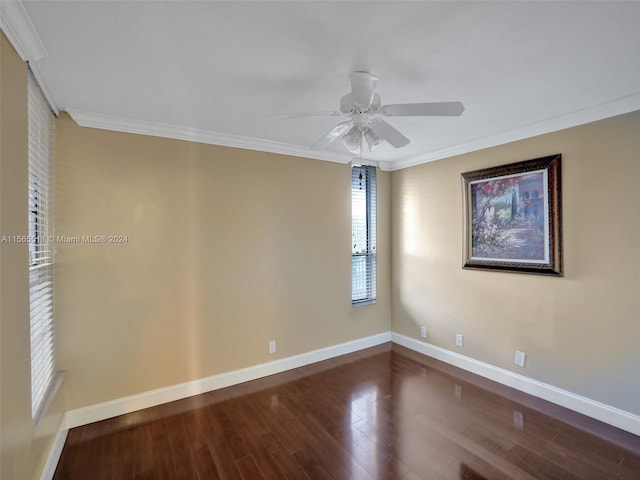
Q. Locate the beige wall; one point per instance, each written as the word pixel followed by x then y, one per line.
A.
pixel 24 448
pixel 580 332
pixel 227 249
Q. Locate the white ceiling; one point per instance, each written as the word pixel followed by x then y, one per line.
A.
pixel 215 71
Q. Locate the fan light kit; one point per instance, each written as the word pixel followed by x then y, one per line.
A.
pixel 352 139
pixel 363 106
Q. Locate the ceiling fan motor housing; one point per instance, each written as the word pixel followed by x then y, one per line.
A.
pixel 348 106
pixel 363 85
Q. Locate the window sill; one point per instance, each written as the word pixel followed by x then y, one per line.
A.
pixel 56 383
pixel 363 303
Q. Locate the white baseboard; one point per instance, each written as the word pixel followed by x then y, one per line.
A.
pixel 56 450
pixel 591 408
pixel 120 406
pixel 93 413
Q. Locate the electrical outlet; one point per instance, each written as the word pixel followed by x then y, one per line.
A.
pixel 520 358
pixel 459 340
pixel 423 332
pixel 272 346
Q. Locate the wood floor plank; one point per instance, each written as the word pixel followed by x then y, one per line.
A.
pixel 330 455
pixel 249 469
pixel 223 460
pixel 223 431
pixel 259 453
pixel 381 413
pixel 311 466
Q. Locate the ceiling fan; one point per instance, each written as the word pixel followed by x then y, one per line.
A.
pixel 364 107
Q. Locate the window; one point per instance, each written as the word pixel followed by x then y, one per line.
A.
pixel 40 243
pixel 363 228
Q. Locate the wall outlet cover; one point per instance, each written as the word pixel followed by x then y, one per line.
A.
pixel 520 358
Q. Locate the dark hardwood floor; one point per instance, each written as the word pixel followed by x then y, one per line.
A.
pixel 382 413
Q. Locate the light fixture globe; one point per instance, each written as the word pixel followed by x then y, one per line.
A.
pixel 373 139
pixel 352 140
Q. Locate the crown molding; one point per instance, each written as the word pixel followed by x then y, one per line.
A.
pixel 20 31
pixel 43 86
pixel 176 132
pixel 16 23
pixel 619 106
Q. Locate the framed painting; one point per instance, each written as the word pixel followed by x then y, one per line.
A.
pixel 512 217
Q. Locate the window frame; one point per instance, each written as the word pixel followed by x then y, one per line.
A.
pixel 40 240
pixel 363 257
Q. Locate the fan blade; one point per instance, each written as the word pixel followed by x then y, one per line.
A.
pixel 435 109
pixel 304 114
pixel 363 85
pixel 334 133
pixel 388 133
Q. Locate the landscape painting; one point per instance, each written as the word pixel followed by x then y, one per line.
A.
pixel 512 217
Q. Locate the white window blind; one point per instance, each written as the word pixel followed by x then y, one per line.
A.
pixel 40 243
pixel 363 227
